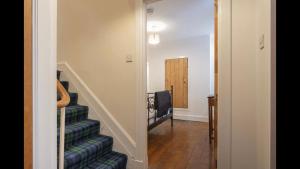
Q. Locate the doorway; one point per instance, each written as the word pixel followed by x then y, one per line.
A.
pixel 181 58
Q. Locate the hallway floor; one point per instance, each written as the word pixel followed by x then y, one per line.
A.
pixel 185 146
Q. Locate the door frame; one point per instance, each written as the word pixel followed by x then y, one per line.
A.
pixel 224 84
pixel 224 81
pixel 141 83
pixel 28 85
pixel 44 42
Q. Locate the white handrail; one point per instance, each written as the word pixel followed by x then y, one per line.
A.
pixel 62 138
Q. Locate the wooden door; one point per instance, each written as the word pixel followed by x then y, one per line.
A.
pixel 176 74
pixel 27 84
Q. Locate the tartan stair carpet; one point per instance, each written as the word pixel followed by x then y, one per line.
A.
pixel 85 148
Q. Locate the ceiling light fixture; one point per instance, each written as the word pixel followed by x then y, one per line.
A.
pixel 154 39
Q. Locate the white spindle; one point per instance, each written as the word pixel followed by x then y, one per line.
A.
pixel 62 138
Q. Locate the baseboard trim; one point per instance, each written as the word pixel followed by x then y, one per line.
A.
pixel 190 117
pixel 110 126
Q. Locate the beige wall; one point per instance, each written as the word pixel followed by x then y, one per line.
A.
pixel 94 37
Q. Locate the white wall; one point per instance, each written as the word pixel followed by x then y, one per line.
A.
pixel 94 37
pixel 197 49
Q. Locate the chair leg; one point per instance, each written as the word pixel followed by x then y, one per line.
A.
pixel 172 121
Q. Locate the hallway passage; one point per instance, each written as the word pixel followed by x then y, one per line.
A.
pixel 186 146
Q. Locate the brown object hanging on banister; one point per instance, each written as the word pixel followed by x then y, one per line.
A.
pixel 64 95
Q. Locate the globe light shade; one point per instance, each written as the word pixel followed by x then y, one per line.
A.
pixel 154 39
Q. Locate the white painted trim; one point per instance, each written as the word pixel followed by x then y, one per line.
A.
pixel 106 118
pixel 186 114
pixel 182 109
pixel 190 117
pixel 141 85
pixel 44 84
pixel 225 83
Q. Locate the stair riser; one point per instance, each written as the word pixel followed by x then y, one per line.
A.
pixel 73 116
pixel 71 120
pixel 58 74
pixel 74 99
pixel 65 84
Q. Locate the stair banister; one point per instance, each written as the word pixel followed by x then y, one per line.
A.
pixel 61 104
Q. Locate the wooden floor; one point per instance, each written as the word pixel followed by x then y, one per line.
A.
pixel 185 146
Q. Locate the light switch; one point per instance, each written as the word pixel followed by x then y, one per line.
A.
pixel 129 58
pixel 262 42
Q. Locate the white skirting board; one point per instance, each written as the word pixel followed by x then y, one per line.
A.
pixel 109 125
pixel 185 114
pixel 190 117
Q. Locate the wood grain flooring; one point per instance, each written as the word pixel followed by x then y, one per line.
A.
pixel 186 146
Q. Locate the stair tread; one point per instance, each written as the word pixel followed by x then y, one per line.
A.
pixel 75 107
pixel 78 131
pixel 73 98
pixel 113 160
pixel 86 152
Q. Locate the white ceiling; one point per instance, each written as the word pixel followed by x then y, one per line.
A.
pixel 184 18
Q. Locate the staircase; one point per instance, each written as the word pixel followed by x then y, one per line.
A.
pixel 85 148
